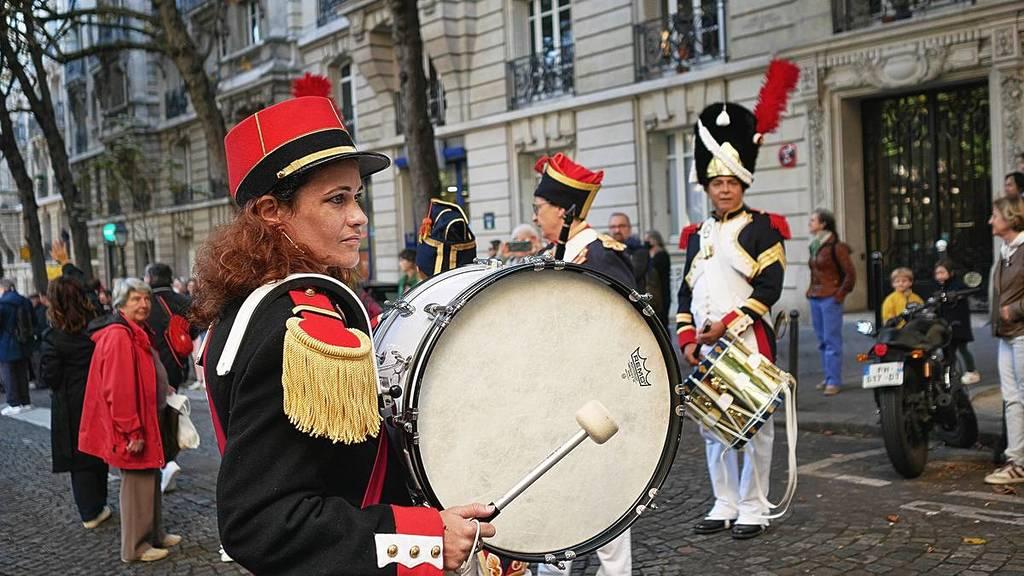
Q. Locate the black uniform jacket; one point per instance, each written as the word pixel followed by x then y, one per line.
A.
pixel 763 240
pixel 289 503
pixel 609 256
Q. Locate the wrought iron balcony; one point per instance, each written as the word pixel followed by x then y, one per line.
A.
pixel 679 42
pixel 175 102
pixel 327 10
pixel 853 14
pixel 541 76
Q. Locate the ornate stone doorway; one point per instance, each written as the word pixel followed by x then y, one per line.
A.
pixel 927 177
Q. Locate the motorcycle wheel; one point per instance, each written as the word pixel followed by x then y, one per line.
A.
pixel 906 441
pixel 962 432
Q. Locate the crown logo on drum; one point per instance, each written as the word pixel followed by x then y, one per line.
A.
pixel 636 369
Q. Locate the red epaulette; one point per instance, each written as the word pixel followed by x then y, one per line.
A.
pixel 779 224
pixel 684 236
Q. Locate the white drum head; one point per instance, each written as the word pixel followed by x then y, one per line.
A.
pixel 499 392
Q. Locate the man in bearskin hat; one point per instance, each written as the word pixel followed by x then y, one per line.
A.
pixel 735 263
pixel 308 483
pixel 446 241
pixel 561 202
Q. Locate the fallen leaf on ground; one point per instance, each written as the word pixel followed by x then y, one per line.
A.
pixel 974 541
pixel 1005 489
pixel 893 518
pixel 930 549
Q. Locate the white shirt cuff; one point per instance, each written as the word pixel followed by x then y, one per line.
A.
pixel 409 550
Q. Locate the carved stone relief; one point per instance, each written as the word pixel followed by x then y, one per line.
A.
pixel 903 65
pixel 1005 44
pixel 816 142
pixel 554 131
pixel 1011 87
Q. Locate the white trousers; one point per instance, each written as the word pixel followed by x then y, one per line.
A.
pixel 616 560
pixel 736 491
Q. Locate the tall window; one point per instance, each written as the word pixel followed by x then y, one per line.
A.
pixel 675 200
pixel 347 87
pixel 550 25
pixel 253 23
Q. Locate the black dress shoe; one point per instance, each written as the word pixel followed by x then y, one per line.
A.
pixel 708 526
pixel 748 531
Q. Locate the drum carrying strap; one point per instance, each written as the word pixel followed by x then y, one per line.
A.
pixel 789 395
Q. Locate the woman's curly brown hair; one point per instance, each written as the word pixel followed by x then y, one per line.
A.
pixel 70 311
pixel 247 253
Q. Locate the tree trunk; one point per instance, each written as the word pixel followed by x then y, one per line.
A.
pixel 182 50
pixel 419 132
pixel 29 210
pixel 41 103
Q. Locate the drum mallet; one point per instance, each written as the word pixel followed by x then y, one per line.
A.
pixel 595 422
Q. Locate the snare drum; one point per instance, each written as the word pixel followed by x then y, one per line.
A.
pixel 482 370
pixel 733 391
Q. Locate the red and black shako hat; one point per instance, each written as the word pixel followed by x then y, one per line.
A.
pixel 567 184
pixel 445 240
pixel 289 138
pixel 728 136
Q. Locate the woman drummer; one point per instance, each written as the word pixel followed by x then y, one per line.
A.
pixel 307 484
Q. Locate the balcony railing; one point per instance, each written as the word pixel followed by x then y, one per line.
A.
pixel 541 76
pixel 679 42
pixel 854 14
pixel 327 10
pixel 175 102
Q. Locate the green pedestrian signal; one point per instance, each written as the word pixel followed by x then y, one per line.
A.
pixel 110 233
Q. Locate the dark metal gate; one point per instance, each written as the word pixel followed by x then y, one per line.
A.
pixel 927 176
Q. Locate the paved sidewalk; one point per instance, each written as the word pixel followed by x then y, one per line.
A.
pixel 853 410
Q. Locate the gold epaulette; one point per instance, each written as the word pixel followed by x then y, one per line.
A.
pixel 611 243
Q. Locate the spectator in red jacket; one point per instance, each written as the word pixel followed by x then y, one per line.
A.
pixel 124 399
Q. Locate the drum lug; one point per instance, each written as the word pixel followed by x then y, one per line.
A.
pixel 489 262
pixel 559 265
pixel 403 308
pixel 390 373
pixel 442 311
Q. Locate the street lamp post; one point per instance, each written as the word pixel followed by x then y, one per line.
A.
pixel 121 238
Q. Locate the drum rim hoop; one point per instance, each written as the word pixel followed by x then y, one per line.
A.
pixel 413 457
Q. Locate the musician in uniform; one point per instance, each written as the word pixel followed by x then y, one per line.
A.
pixel 445 241
pixel 308 484
pixel 561 202
pixel 735 263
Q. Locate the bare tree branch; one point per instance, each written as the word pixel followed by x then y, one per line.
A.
pixel 109 48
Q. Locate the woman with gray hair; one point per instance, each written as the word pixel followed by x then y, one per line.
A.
pixel 125 398
pixel 525 243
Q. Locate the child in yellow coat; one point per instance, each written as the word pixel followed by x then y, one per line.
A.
pixel 902 280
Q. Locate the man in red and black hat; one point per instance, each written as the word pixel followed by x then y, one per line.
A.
pixel 561 203
pixel 446 241
pixel 308 483
pixel 735 264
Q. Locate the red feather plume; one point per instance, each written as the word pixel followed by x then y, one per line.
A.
pixel 778 83
pixel 311 85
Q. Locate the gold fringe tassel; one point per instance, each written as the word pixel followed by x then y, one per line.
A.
pixel 329 391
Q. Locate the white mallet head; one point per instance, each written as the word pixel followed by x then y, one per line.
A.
pixel 595 420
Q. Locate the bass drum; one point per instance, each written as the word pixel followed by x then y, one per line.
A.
pixel 482 371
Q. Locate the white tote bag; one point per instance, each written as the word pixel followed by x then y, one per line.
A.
pixel 188 436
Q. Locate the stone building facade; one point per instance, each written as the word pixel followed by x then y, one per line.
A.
pixel 906 118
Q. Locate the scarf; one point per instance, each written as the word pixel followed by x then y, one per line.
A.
pixel 1008 249
pixel 819 240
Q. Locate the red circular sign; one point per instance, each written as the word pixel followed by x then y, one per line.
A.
pixel 787 155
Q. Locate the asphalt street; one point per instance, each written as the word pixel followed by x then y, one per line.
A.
pixel 852 514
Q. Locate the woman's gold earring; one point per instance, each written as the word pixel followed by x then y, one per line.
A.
pixel 289 238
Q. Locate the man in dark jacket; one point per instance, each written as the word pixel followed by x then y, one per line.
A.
pixel 15 348
pixel 620 228
pixel 159 278
pixel 166 302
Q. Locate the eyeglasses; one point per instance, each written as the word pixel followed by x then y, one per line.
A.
pixel 537 207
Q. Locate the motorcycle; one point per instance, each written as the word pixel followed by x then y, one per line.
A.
pixel 913 371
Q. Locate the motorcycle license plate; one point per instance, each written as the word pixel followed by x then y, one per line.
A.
pixel 883 374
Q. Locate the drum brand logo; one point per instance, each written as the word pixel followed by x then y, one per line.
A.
pixel 636 369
